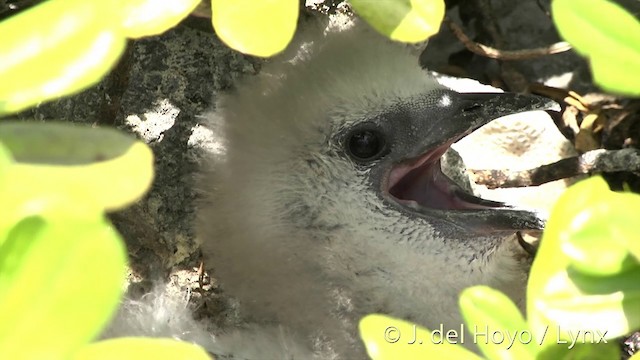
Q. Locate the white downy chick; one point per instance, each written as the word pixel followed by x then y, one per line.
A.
pixel 329 204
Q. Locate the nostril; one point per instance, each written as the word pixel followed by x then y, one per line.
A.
pixel 472 107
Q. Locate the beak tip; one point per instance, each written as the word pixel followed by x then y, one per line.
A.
pixel 536 102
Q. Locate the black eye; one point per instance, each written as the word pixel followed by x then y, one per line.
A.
pixel 366 145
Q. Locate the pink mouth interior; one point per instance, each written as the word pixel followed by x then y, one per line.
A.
pixel 421 183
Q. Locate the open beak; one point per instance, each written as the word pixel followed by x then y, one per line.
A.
pixel 419 184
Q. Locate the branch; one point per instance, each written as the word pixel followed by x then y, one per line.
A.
pixel 494 53
pixel 595 161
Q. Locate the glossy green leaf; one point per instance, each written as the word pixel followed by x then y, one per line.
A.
pixel 60 282
pixel 141 348
pixel 585 347
pixel 99 167
pixel 152 17
pixel 56 48
pixel 602 239
pixel 386 338
pixel 584 277
pixel 608 35
pixel 498 326
pixel 402 20
pixel 261 28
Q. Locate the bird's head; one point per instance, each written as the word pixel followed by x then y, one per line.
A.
pixel 334 163
pixel 353 122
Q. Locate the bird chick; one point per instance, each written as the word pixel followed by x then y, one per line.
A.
pixel 330 203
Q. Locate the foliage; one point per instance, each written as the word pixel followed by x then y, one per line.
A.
pixel 389 338
pixel 243 26
pixel 402 20
pixel 583 291
pixel 67 45
pixel 608 35
pixel 62 46
pixel 80 162
pixel 599 29
pixel 54 294
pixel 140 348
pixel 61 261
pixel 588 266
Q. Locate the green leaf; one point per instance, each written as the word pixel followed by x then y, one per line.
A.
pixel 60 282
pixel 141 348
pixel 261 28
pixel 56 48
pixel 585 347
pixel 608 35
pixel 402 20
pixel 500 330
pixel 612 218
pixel 152 17
pixel 387 338
pixel 100 167
pixel 584 277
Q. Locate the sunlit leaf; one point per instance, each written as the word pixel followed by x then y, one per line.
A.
pixel 60 282
pixel 584 277
pixel 151 17
pixel 55 48
pixel 387 338
pixel 402 20
pixel 608 35
pixel 584 347
pixel 498 326
pixel 612 219
pixel 96 166
pixel 141 348
pixel 261 28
